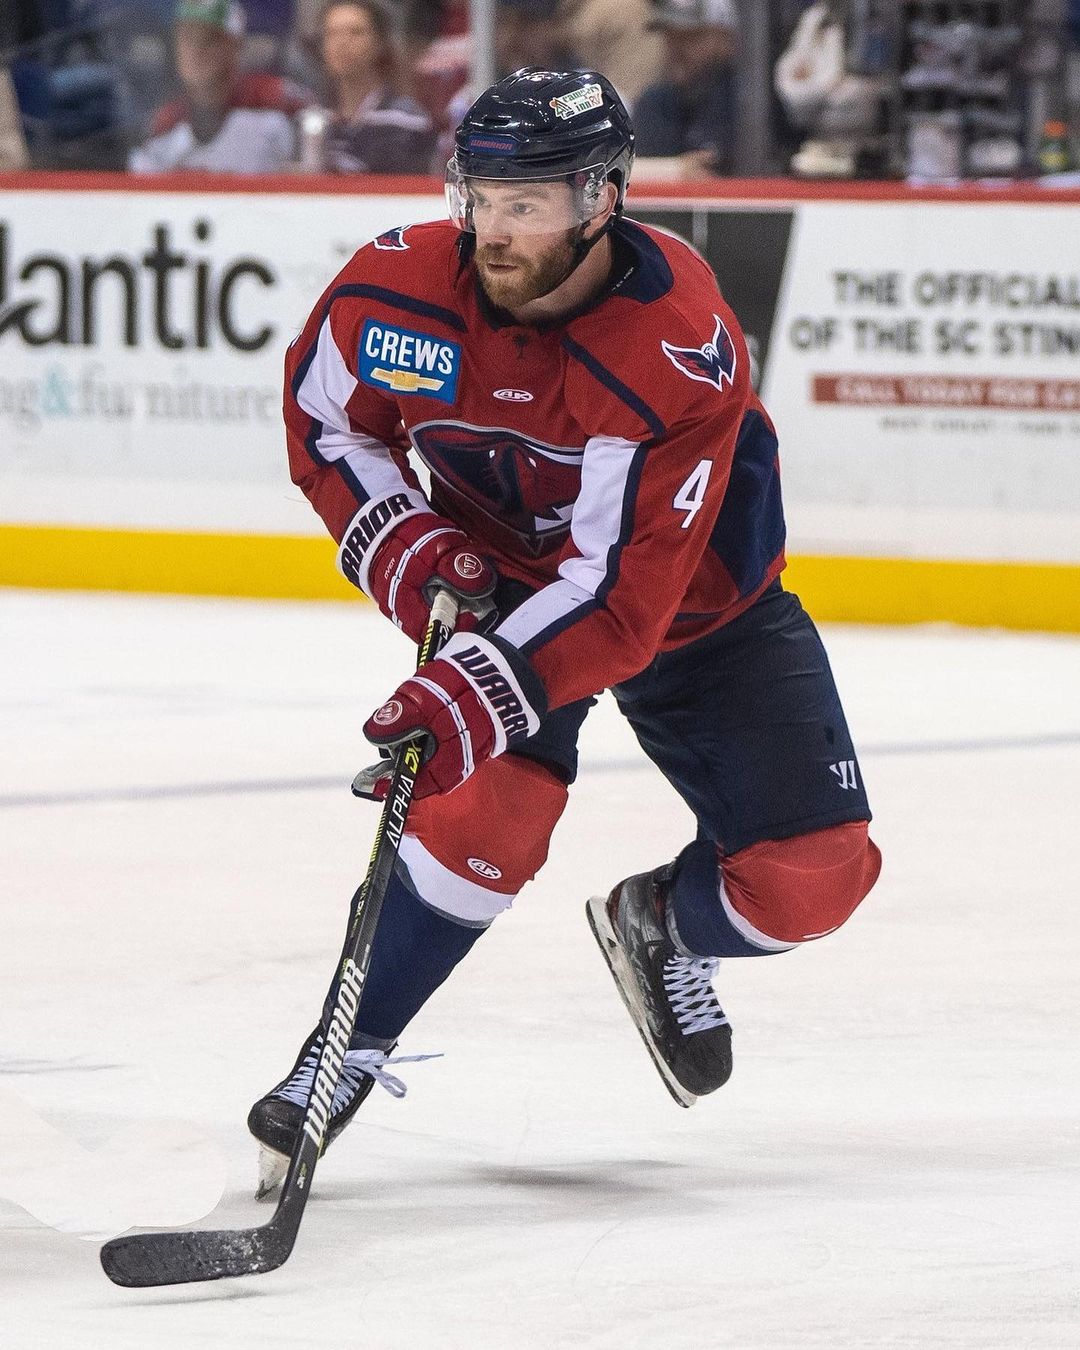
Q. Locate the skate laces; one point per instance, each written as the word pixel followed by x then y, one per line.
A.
pixel 355 1065
pixel 371 1062
pixel 688 984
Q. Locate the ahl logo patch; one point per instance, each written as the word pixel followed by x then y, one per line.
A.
pixel 713 363
pixel 403 362
pixel 392 239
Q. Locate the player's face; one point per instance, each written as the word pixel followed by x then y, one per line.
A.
pixel 525 235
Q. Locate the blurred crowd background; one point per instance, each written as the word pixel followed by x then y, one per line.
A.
pixel 925 90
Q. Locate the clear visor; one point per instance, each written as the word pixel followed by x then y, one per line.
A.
pixel 546 204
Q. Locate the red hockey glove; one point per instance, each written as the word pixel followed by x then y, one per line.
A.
pixel 424 552
pixel 478 698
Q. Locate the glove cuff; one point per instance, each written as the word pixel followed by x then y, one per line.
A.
pixel 503 681
pixel 369 527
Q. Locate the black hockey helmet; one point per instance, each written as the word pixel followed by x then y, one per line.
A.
pixel 537 125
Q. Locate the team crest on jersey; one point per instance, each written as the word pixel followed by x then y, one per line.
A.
pixel 392 239
pixel 713 363
pixel 399 361
pixel 524 484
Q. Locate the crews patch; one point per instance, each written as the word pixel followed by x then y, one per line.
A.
pixel 399 361
pixel 713 363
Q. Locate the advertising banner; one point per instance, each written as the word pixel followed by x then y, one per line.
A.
pixel 921 359
pixel 931 361
pixel 922 365
pixel 142 339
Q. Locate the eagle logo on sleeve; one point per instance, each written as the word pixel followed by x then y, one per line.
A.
pixel 392 240
pixel 713 363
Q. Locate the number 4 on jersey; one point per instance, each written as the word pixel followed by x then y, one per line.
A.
pixel 691 495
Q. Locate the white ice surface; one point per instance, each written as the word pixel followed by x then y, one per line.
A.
pixel 894 1162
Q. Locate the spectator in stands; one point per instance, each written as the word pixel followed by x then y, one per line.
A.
pixel 685 123
pixel 13 154
pixel 72 97
pixel 227 121
pixel 613 37
pixel 527 33
pixel 439 53
pixel 531 33
pixel 1072 72
pixel 18 24
pixel 830 83
pixel 373 126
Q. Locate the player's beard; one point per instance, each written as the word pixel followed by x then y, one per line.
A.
pixel 532 276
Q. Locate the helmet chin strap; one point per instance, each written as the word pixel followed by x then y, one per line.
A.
pixel 582 248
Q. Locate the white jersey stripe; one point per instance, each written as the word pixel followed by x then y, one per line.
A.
pixel 542 610
pixel 595 527
pixel 328 384
pixel 746 929
pixel 461 899
pixel 597 519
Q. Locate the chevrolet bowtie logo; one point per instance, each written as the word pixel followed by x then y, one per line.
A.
pixel 405 381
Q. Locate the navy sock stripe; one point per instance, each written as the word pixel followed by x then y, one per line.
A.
pixel 702 923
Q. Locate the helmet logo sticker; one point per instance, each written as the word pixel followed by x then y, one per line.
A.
pixel 578 101
pixel 712 363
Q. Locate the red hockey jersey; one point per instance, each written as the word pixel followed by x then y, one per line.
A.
pixel 619 462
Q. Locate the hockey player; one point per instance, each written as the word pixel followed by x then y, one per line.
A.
pixel 602 469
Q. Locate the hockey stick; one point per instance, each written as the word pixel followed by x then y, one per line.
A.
pixel 138 1260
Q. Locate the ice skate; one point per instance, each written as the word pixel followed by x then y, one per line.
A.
pixel 275 1119
pixel 668 994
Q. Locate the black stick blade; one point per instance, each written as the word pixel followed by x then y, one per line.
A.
pixel 144 1260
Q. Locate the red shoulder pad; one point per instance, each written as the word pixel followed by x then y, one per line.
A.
pixel 420 261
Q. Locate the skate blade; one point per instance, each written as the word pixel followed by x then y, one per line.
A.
pixel 272 1169
pixel 600 922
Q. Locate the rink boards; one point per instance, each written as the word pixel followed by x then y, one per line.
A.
pixel 918 351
